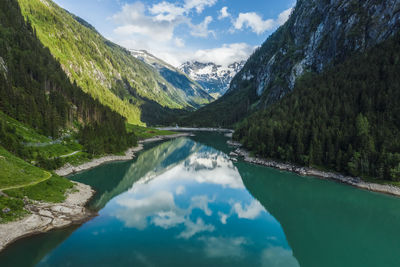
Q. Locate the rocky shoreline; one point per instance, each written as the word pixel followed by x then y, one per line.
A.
pixel 305 171
pixel 44 217
pixel 47 216
pixel 68 169
pixel 189 129
pixel 164 137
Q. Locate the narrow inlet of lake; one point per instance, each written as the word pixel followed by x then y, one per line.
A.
pixel 185 203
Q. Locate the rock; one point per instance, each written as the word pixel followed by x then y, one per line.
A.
pixel 45 213
pixel 233 143
pixel 233 154
pixel 47 216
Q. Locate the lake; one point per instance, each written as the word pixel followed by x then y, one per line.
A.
pixel 185 203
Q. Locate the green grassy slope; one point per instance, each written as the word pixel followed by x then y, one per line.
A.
pixel 19 179
pixel 143 132
pixel 22 130
pixel 105 70
pixel 15 172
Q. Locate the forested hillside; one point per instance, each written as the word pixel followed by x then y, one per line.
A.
pixel 346 119
pixel 103 69
pixel 317 35
pixel 35 90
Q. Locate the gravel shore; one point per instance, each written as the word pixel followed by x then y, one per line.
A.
pixel 189 129
pixel 47 216
pixel 68 169
pixel 304 171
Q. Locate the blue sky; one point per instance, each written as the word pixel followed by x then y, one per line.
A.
pixel 222 31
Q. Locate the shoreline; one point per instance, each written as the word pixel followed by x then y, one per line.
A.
pixel 44 216
pixel 68 169
pixel 190 129
pixel 48 216
pixel 306 171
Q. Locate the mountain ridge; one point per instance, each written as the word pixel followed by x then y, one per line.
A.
pixel 318 35
pixel 101 68
pixel 213 77
pixel 194 93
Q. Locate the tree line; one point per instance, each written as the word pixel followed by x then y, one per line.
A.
pixel 346 119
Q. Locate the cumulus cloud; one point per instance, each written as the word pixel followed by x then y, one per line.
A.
pixel 219 247
pixel 251 211
pixel 135 23
pixel 158 203
pixel 166 11
pixel 278 256
pixel 199 5
pixel 180 190
pixel 253 21
pixel 284 16
pixel 257 24
pixel 201 29
pixel 225 55
pixel 223 13
pixel 195 228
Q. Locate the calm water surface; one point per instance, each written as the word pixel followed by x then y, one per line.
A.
pixel 185 203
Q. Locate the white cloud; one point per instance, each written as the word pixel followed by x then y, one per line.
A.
pixel 179 42
pixel 257 24
pixel 166 11
pixel 252 211
pixel 180 190
pixel 201 202
pixel 225 55
pixel 253 21
pixel 219 247
pixel 223 217
pixel 278 256
pixel 199 5
pixel 223 13
pixel 284 16
pixel 195 228
pixel 136 211
pixel 201 29
pixel 135 23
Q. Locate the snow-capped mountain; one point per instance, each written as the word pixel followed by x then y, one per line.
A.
pixel 195 94
pixel 214 78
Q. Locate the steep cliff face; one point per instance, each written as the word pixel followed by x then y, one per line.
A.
pixel 318 34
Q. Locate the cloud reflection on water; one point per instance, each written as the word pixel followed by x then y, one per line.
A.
pixel 195 198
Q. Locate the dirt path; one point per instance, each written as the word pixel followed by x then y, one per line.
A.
pixel 28 184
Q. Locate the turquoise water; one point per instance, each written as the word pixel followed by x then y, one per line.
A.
pixel 185 203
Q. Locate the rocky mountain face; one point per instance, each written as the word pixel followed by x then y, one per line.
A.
pixel 194 93
pixel 318 34
pixel 214 78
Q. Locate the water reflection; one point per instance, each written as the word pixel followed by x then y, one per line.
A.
pixel 179 198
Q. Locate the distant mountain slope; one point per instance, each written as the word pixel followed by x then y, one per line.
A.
pixel 317 35
pixel 105 70
pixel 214 78
pixel 194 94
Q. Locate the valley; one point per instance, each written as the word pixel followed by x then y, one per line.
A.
pixel 140 124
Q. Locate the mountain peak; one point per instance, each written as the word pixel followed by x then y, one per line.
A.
pixel 214 78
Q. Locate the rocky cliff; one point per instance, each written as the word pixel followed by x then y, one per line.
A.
pixel 318 34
